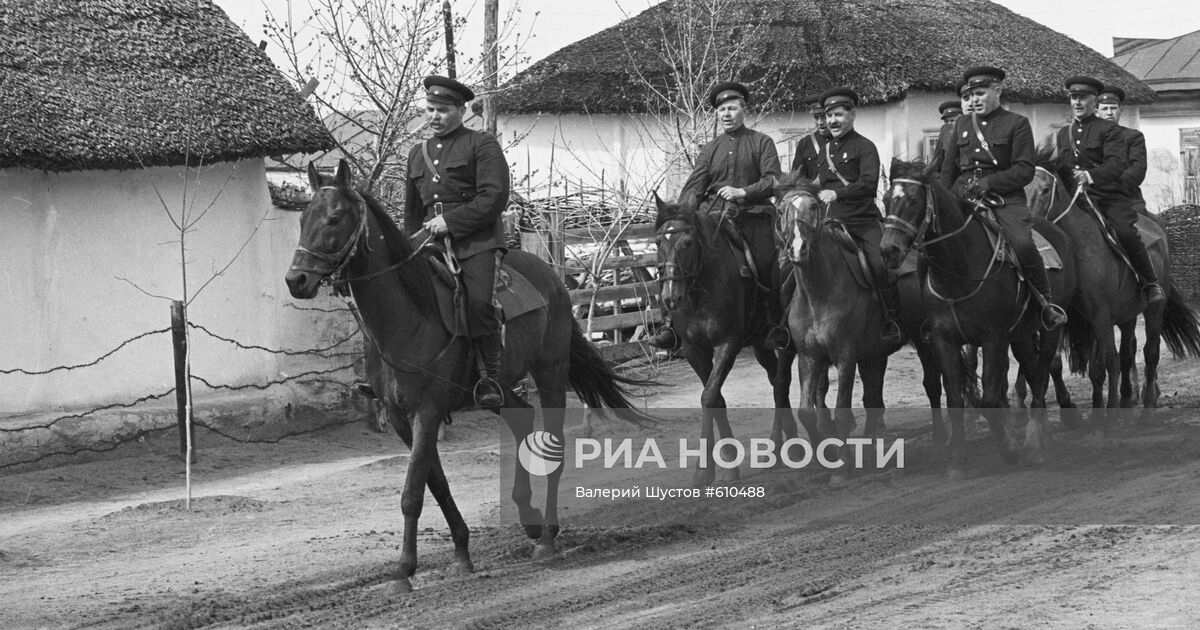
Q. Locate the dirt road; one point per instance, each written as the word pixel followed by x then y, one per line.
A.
pixel 306 532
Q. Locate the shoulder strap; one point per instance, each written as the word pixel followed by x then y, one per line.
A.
pixel 982 141
pixel 816 145
pixel 428 162
pixel 829 160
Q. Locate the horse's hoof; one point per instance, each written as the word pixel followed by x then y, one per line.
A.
pixel 729 474
pixel 703 477
pixel 533 531
pixel 398 587
pixel 1033 457
pixel 956 474
pixel 544 550
pixel 462 567
pixel 1010 454
pixel 839 479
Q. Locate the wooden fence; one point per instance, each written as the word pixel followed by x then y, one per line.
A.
pixel 615 299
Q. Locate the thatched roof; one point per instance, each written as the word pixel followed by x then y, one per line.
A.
pixel 882 48
pixel 125 83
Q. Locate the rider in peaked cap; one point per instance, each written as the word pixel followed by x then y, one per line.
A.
pixel 727 90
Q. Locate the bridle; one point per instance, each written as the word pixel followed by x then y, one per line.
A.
pixel 670 270
pixel 1054 193
pixel 334 275
pixel 337 262
pixel 917 233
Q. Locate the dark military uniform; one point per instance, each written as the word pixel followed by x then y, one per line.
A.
pixel 808 154
pixel 854 159
pixel 945 138
pixel 1099 147
pixel 1135 167
pixel 744 159
pixel 470 190
pixel 1006 170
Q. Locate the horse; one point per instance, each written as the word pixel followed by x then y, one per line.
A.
pixel 974 298
pixel 716 312
pixel 347 237
pixel 1109 295
pixel 833 318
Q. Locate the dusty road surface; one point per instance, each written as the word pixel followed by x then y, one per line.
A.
pixel 305 533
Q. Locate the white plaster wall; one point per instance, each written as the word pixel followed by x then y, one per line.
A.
pixel 1163 187
pixel 75 244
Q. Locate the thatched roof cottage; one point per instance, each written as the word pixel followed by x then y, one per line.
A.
pixel 103 103
pixel 902 56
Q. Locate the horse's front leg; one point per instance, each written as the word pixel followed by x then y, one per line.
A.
pixel 1128 356
pixel 783 426
pixel 952 376
pixel 995 398
pixel 1035 360
pixel 714 403
pixel 844 422
pixel 425 426
pixel 701 360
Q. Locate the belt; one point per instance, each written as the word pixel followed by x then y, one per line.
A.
pixel 978 173
pixel 439 208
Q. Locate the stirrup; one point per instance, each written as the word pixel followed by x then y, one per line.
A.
pixel 1059 316
pixel 659 339
pixel 778 338
pixel 487 393
pixel 892 332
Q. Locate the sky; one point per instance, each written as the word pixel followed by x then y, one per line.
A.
pixel 557 23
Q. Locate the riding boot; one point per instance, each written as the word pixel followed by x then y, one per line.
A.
pixel 780 335
pixel 488 393
pixel 365 389
pixel 892 333
pixel 1053 315
pixel 1147 276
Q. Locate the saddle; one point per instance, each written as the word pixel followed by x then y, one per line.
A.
pixel 515 295
pixel 747 268
pixel 1152 238
pixel 1051 259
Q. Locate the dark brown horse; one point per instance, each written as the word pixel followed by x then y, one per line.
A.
pixel 346 235
pixel 975 298
pixel 716 313
pixel 834 319
pixel 1109 295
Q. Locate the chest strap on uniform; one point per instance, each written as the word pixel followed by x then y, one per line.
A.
pixel 982 141
pixel 829 160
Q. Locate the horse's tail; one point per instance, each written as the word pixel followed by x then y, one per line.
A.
pixel 968 364
pixel 597 384
pixel 1078 342
pixel 1181 328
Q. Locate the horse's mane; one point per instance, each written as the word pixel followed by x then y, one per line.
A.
pixel 913 169
pixel 795 181
pixel 1045 157
pixel 687 210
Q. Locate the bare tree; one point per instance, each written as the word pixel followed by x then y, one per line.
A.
pixel 370 57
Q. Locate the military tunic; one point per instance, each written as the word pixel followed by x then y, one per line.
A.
pixel 808 155
pixel 856 160
pixel 744 159
pixel 1099 147
pixel 945 137
pixel 471 184
pixel 1135 169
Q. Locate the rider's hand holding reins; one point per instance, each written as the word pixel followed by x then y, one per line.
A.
pixel 1082 178
pixel 436 226
pixel 827 196
pixel 729 193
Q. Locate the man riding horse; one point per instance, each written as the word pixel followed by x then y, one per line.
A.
pixel 1109 107
pixel 735 175
pixel 989 163
pixel 808 150
pixel 457 185
pixel 848 177
pixel 1094 156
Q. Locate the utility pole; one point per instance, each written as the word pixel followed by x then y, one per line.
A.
pixel 451 71
pixel 490 54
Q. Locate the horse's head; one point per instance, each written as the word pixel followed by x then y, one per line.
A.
pixel 799 215
pixel 679 243
pixel 909 210
pixel 331 227
pixel 1043 191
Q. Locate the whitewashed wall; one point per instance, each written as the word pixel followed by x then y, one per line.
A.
pixel 75 244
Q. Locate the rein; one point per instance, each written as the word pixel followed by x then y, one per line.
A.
pixel 339 262
pixel 671 267
pixel 1054 192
